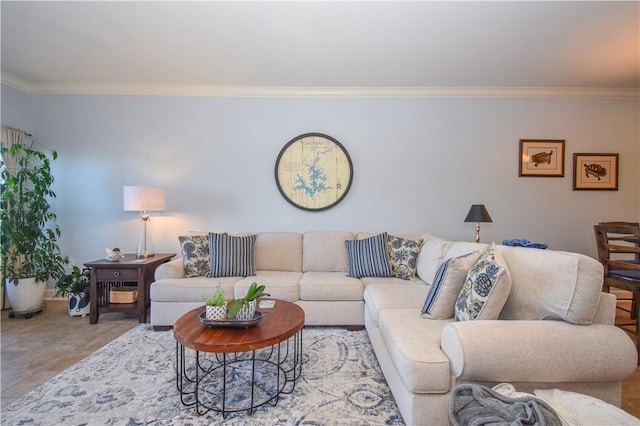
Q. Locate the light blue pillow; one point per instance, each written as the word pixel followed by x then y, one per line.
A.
pixel 231 256
pixel 368 257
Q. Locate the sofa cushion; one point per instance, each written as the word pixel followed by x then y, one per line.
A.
pixel 231 256
pixel 325 251
pixel 435 251
pixel 278 251
pixel 448 282
pixel 403 256
pixel 430 257
pixel 379 296
pixel 537 351
pixel 406 235
pixel 368 257
pixel 329 286
pixel 278 284
pixel 190 289
pixel 172 269
pixel 552 285
pixel 389 280
pixel 460 248
pixel 195 255
pixel 485 289
pixel 414 347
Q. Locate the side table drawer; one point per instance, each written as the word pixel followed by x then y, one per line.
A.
pixel 116 274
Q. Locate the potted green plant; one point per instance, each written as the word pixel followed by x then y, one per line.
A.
pixel 216 306
pixel 28 232
pixel 76 286
pixel 244 308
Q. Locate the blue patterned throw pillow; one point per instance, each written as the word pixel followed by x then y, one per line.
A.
pixel 368 257
pixel 231 256
pixel 486 288
pixel 195 255
pixel 403 256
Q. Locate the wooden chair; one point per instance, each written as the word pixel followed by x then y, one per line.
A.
pixel 618 247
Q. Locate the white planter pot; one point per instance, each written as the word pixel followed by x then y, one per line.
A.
pixel 27 296
pixel 79 305
pixel 246 312
pixel 216 312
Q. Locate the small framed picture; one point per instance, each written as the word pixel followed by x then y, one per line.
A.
pixel 541 157
pixel 595 171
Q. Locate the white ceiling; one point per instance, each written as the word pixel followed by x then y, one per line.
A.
pixel 323 48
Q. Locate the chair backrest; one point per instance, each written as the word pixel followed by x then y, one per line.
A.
pixel 618 245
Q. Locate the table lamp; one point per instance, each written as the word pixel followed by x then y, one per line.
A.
pixel 478 213
pixel 143 199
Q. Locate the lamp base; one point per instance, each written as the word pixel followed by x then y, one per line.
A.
pixel 145 245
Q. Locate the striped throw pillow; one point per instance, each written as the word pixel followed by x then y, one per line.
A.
pixel 231 256
pixel 447 283
pixel 368 257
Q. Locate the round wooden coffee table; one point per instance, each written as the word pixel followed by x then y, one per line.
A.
pixel 238 369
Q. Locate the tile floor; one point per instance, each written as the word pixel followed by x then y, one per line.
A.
pixel 35 350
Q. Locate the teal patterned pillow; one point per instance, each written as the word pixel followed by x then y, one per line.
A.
pixel 403 256
pixel 486 288
pixel 195 255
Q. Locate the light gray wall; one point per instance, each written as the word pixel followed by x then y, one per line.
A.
pixel 418 165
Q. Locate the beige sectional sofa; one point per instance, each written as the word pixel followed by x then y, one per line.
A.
pixel 554 331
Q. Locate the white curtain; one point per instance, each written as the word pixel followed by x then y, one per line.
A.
pixel 10 137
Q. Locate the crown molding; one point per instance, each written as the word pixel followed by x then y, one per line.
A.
pixel 319 92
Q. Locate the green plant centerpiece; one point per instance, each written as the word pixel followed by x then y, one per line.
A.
pixel 244 308
pixel 216 306
pixel 28 230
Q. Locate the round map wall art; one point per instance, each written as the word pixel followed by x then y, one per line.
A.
pixel 314 172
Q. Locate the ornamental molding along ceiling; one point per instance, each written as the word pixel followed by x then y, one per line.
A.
pixel 328 49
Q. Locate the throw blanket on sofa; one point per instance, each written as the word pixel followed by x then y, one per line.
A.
pixel 476 405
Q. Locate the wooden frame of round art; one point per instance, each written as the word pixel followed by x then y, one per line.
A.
pixel 311 171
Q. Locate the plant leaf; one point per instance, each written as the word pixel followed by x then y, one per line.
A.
pixel 233 307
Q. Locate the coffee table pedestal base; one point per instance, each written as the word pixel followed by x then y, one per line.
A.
pixel 238 381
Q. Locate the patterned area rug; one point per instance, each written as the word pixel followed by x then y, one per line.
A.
pixel 132 381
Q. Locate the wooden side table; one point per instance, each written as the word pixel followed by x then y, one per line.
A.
pixel 106 275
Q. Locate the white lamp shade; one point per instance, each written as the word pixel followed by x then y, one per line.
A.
pixel 143 198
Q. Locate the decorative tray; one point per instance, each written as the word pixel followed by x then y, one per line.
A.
pixel 231 323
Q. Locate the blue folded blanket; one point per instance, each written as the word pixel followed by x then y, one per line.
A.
pixel 517 242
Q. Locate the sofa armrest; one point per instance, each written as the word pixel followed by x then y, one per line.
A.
pixel 538 351
pixel 172 269
pixel 606 313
